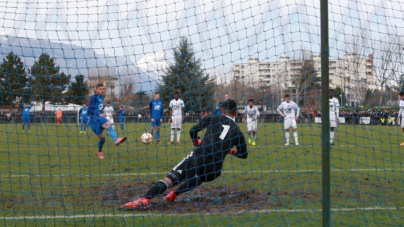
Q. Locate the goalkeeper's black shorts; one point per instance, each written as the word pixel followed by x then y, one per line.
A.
pixel 193 165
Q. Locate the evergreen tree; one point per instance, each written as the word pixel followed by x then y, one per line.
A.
pixel 78 91
pixel 13 80
pixel 48 83
pixel 187 76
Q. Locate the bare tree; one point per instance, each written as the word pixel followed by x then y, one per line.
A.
pixel 398 75
pixel 312 101
pixel 126 95
pixel 387 54
pixel 102 76
pixel 228 84
pixel 223 79
pixel 356 47
pixel 303 76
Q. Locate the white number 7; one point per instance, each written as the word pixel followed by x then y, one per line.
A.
pixel 224 132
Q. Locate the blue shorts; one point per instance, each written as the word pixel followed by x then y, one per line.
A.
pixel 156 123
pixel 96 123
pixel 25 119
pixel 83 120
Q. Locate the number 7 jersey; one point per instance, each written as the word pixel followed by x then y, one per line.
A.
pixel 221 135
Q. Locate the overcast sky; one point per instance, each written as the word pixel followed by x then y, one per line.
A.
pixel 223 31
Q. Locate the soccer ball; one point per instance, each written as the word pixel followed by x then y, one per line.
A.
pixel 146 138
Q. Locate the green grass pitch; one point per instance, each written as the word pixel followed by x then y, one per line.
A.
pixel 52 176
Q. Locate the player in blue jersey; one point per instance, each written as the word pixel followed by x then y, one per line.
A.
pixel 121 113
pixel 98 122
pixel 83 119
pixel 25 116
pixel 156 115
pixel 217 111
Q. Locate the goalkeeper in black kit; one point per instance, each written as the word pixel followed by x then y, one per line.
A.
pixel 204 164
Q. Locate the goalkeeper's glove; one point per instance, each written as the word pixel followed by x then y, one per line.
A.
pixel 197 142
pixel 233 151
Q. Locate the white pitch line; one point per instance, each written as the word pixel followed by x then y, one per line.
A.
pixel 123 215
pixel 67 146
pixel 160 173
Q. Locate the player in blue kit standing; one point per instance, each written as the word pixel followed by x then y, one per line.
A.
pixel 98 122
pixel 121 113
pixel 156 115
pixel 25 116
pixel 83 119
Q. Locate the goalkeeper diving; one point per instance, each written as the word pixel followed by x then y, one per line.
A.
pixel 205 163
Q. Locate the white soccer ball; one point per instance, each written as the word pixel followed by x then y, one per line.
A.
pixel 146 138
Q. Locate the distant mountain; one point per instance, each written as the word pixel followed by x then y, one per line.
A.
pixel 74 59
pixel 153 62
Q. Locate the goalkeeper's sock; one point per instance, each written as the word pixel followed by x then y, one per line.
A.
pixel 151 132
pixel 112 133
pixel 158 135
pixel 23 126
pixel 156 190
pixel 296 138
pixel 188 185
pixel 178 134
pixel 287 137
pixel 331 136
pixel 29 127
pixel 81 127
pixel 172 134
pixel 101 144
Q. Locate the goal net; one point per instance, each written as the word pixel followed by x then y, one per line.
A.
pixel 264 55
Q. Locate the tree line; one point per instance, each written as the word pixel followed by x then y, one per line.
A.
pixel 45 82
pixel 42 82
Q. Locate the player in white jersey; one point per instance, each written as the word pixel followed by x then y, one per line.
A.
pixel 334 115
pixel 109 111
pixel 252 114
pixel 290 112
pixel 176 116
pixel 401 112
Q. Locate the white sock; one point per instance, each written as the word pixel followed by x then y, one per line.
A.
pixel 178 134
pixel 287 137
pixel 331 136
pixel 295 134
pixel 172 134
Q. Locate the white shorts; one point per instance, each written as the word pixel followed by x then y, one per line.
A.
pixel 176 121
pixel 333 122
pixel 110 119
pixel 252 126
pixel 290 123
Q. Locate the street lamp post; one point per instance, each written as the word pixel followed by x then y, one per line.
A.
pixel 243 94
pixel 343 94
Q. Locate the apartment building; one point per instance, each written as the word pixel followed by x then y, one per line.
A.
pixel 353 73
